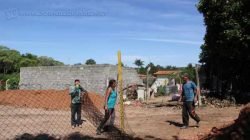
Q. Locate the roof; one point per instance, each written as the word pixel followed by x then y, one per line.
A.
pixel 143 76
pixel 166 72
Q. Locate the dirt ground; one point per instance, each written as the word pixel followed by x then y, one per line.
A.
pixel 165 122
pixel 46 99
pixel 45 111
pixel 17 121
pixel 48 112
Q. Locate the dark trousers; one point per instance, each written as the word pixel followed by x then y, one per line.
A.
pixel 108 113
pixel 188 110
pixel 75 114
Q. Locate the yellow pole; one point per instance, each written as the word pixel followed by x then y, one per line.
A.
pixel 120 90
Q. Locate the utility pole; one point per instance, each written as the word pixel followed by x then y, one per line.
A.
pixel 149 68
pixel 198 84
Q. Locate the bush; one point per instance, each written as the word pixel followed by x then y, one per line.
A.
pixel 13 80
pixel 161 90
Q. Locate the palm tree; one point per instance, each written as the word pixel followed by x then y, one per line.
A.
pixel 139 64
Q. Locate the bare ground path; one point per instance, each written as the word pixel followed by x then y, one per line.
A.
pixel 33 112
pixel 165 122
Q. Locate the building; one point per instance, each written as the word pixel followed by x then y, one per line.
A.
pixel 163 79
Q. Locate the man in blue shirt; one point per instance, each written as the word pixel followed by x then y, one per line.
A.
pixel 189 97
pixel 76 93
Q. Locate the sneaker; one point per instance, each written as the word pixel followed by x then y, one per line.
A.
pixel 198 124
pixel 184 127
pixel 98 132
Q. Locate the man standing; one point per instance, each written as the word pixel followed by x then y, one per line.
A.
pixel 76 93
pixel 189 97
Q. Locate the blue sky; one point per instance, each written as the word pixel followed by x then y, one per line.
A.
pixel 165 32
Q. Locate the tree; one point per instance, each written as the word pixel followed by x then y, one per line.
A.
pixel 122 65
pixel 190 70
pixel 225 52
pixel 9 60
pixel 29 56
pixel 25 62
pixel 159 67
pixel 153 68
pixel 169 67
pixel 48 61
pixel 139 63
pixel 77 64
pixel 90 62
pixel 12 60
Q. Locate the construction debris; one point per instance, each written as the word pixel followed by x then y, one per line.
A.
pixel 215 102
pixel 170 104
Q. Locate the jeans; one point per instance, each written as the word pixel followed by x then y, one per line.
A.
pixel 188 110
pixel 110 113
pixel 75 114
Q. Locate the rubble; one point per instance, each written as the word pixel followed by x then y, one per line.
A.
pixel 217 103
pixel 131 91
pixel 134 103
pixel 174 105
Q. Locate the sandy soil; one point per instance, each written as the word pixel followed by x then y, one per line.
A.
pixel 17 121
pixel 45 111
pixel 48 112
pixel 165 122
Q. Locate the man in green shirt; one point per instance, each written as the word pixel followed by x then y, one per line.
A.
pixel 76 92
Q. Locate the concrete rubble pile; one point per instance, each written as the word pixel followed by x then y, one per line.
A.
pixel 217 103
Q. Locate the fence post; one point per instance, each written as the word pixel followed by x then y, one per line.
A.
pixel 6 85
pixel 120 90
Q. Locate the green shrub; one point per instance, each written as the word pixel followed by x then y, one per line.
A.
pixel 161 90
pixel 13 80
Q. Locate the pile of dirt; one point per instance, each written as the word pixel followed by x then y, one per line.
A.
pixel 239 130
pixel 46 99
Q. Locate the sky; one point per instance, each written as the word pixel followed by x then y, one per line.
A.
pixel 165 32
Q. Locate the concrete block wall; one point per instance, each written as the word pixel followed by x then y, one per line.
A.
pixel 93 77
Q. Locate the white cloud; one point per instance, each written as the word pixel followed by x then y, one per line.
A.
pixel 182 2
pixel 179 41
pixel 182 16
pixel 26 42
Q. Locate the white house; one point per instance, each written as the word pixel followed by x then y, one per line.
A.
pixel 162 78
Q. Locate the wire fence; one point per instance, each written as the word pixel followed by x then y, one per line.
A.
pixel 34 112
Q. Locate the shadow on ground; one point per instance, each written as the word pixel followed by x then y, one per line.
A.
pixel 177 124
pixel 73 136
pixel 76 136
